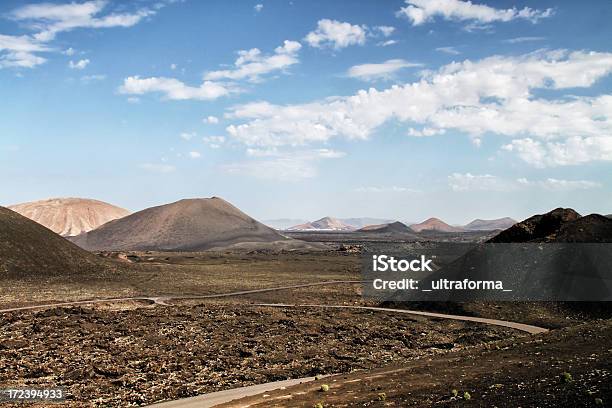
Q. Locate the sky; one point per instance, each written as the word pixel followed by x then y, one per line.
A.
pixel 303 108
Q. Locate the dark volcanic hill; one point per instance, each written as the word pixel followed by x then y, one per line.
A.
pixel 27 249
pixel 393 227
pixel 541 227
pixel 186 225
pixel 490 225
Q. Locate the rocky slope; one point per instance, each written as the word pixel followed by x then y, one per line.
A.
pixel 70 216
pixel 27 249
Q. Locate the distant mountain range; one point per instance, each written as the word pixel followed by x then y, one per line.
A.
pixel 284 223
pixel 375 224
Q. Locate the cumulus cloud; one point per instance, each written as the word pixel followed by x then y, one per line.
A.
pixel 335 34
pixel 258 7
pixel 172 88
pixel 213 120
pixel 252 64
pixel 51 19
pixel 493 95
pixel 194 155
pixel 486 182
pixel 419 12
pixel 384 70
pixel 46 20
pixel 80 64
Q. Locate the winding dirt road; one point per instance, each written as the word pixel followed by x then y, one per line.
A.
pixel 216 398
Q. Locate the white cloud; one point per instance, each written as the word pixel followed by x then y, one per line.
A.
pixel 195 155
pixel 448 50
pixel 173 67
pixel 425 132
pixel 214 142
pixel 80 64
pixel 158 168
pixel 419 12
pixel 174 89
pixel 553 184
pixel 213 120
pixel 47 19
pixel 386 31
pixel 336 34
pixel 187 135
pixel 19 51
pixel 133 100
pixel 571 151
pixel 258 7
pixel 252 64
pixel 519 40
pixel 470 182
pixel 384 70
pixel 387 43
pixel 50 19
pixel 493 95
pixel 272 164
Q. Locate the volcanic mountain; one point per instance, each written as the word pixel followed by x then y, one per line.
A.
pixel 361 222
pixel 490 225
pixel 70 216
pixel 186 225
pixel 434 224
pixel 324 224
pixel 27 249
pixel 393 228
pixel 540 227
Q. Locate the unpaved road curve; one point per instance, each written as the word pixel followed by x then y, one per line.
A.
pixel 161 299
pixel 221 397
pixel 216 398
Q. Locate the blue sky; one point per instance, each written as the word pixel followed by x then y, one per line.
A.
pixel 301 109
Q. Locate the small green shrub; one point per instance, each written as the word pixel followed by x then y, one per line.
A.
pixel 467 396
pixel 598 402
pixel 382 396
pixel 324 388
pixel 318 405
pixel 566 378
pixel 454 393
